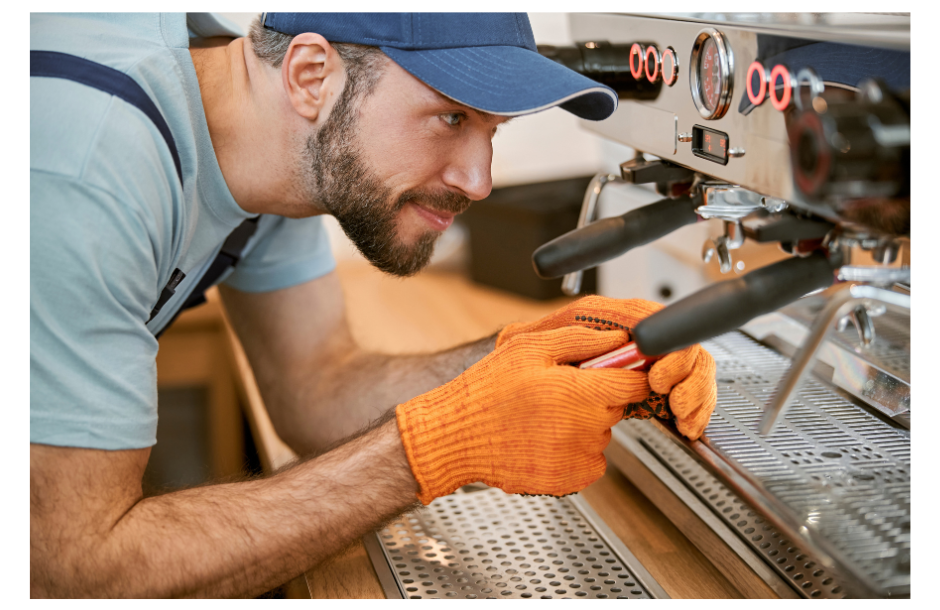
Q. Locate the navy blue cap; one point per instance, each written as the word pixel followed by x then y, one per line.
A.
pixel 487 61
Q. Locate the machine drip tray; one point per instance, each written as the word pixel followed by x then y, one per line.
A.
pixel 824 500
pixel 491 545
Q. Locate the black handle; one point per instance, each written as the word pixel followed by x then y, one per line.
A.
pixel 638 171
pixel 605 239
pixel 725 306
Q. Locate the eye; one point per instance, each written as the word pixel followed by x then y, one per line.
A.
pixel 453 118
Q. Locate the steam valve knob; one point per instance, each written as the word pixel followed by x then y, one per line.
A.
pixel 853 148
pixel 606 63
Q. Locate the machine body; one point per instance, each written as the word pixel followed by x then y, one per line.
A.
pixel 794 130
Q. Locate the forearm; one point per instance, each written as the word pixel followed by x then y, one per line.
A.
pixel 238 539
pixel 325 405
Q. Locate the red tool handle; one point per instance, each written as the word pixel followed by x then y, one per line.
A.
pixel 626 357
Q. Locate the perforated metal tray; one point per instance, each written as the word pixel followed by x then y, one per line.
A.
pixel 489 544
pixel 825 499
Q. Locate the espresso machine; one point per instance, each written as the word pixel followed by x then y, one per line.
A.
pixel 786 129
pixel 792 132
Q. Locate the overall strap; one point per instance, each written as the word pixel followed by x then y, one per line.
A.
pixel 228 256
pixel 53 64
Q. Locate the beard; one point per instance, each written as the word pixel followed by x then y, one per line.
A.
pixel 366 208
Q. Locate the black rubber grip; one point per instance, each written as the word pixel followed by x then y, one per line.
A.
pixel 605 239
pixel 727 305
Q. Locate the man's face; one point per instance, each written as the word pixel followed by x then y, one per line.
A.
pixel 395 168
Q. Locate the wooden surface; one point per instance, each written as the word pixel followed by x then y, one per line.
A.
pixel 686 523
pixel 193 353
pixel 347 576
pixel 429 312
pixel 273 452
pixel 671 559
pixel 437 310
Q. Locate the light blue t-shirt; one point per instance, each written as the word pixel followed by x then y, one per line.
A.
pixel 109 222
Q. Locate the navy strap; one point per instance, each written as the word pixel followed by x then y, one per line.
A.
pixel 228 256
pixel 69 67
pixel 104 78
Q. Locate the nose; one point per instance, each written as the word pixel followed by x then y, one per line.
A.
pixel 469 169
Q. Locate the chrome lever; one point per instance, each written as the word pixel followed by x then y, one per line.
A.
pixel 844 299
pixel 861 318
pixel 571 284
pixel 724 244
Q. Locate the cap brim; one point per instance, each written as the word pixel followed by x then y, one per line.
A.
pixel 506 80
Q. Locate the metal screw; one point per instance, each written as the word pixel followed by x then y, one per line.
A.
pixel 708 251
pixel 772 204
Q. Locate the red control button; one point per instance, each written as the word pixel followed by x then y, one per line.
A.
pixel 756 68
pixel 652 57
pixel 636 61
pixel 781 100
pixel 670 67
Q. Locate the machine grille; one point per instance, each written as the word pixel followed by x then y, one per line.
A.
pixel 489 544
pixel 836 468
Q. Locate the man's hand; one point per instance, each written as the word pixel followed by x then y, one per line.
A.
pixel 687 376
pixel 521 419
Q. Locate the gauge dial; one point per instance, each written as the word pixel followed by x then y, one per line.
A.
pixel 711 75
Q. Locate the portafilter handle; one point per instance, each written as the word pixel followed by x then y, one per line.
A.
pixel 727 305
pixel 595 243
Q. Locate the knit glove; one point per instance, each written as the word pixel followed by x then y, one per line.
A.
pixel 683 382
pixel 521 419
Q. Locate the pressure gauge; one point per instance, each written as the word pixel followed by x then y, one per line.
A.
pixel 711 76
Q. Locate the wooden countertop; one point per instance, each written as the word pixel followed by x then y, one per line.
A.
pixel 436 310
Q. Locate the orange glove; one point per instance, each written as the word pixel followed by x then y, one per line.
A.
pixel 521 419
pixel 686 375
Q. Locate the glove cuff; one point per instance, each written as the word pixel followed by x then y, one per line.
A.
pixel 444 453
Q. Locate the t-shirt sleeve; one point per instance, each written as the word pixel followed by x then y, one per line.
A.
pixel 93 376
pixel 288 252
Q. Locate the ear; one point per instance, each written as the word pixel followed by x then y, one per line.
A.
pixel 313 75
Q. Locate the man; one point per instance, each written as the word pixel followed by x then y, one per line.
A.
pixel 384 121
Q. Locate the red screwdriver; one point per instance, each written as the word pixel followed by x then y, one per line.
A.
pixel 627 357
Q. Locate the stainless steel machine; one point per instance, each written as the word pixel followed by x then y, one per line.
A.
pixel 791 129
pixel 787 129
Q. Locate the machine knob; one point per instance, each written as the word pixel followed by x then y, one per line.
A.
pixel 857 148
pixel 652 64
pixel 670 66
pixel 606 63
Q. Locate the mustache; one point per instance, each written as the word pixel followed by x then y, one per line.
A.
pixel 442 201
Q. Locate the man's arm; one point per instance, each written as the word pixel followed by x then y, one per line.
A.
pixel 318 384
pixel 92 533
